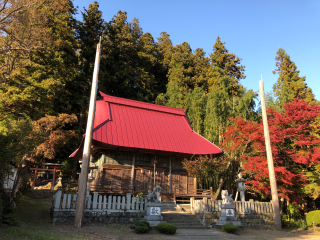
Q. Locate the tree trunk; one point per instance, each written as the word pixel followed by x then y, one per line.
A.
pixel 15 187
pixel 221 181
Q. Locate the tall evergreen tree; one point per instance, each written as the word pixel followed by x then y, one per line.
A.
pixel 290 85
pixel 88 34
pixel 133 68
pixel 186 72
pixel 223 64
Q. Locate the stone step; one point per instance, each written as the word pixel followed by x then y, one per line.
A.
pixel 183 216
pixel 180 218
pixel 168 207
pixel 183 220
pixel 190 227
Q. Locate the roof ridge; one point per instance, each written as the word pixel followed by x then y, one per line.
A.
pixel 144 105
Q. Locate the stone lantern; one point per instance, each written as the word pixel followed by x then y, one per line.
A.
pixel 241 186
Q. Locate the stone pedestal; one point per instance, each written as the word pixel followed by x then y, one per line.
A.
pixel 154 213
pixel 228 215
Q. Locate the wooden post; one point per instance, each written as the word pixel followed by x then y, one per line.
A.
pixel 35 177
pixel 170 178
pixel 154 171
pixel 132 172
pixel 273 182
pixel 87 142
pixel 54 178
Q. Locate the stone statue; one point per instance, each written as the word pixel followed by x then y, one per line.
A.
pixel 226 199
pixel 155 195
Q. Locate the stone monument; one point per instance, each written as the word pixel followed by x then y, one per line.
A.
pixel 154 207
pixel 241 186
pixel 228 210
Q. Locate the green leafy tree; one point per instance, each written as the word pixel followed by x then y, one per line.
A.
pixel 272 101
pixel 290 85
pixel 221 105
pixel 36 83
pixel 195 108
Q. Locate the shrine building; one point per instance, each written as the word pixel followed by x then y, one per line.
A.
pixel 138 145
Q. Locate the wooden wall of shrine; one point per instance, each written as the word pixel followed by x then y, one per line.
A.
pixel 123 172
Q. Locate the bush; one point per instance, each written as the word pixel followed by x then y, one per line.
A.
pixel 132 226
pixel 229 228
pixel 313 216
pixel 167 228
pixel 144 222
pixel 142 227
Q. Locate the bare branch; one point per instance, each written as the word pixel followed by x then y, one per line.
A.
pixel 13 9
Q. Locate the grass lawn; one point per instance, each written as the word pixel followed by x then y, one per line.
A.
pixel 34 222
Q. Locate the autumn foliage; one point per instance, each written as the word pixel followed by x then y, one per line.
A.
pixel 295 148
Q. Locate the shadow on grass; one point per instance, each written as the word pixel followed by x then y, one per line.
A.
pixel 34 222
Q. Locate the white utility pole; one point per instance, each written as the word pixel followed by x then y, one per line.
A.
pixel 272 176
pixel 87 143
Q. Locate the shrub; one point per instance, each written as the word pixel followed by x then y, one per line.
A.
pixel 142 227
pixel 167 228
pixel 313 216
pixel 132 227
pixel 146 223
pixel 229 228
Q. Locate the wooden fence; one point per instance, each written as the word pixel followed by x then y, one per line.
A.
pixel 250 206
pixel 96 202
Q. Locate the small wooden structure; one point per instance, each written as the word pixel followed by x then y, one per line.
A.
pixel 48 167
pixel 137 146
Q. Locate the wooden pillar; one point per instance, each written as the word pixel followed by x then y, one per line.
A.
pixel 132 172
pixel 170 178
pixel 87 143
pixel 54 178
pixel 195 185
pixel 35 177
pixel 272 175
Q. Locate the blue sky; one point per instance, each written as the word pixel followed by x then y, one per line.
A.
pixel 253 30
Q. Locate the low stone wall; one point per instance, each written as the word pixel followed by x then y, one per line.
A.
pixel 251 220
pixel 252 214
pixel 99 208
pixel 90 216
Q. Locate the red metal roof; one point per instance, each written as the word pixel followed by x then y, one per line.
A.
pixel 129 124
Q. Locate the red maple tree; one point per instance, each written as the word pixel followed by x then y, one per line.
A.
pixel 295 148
